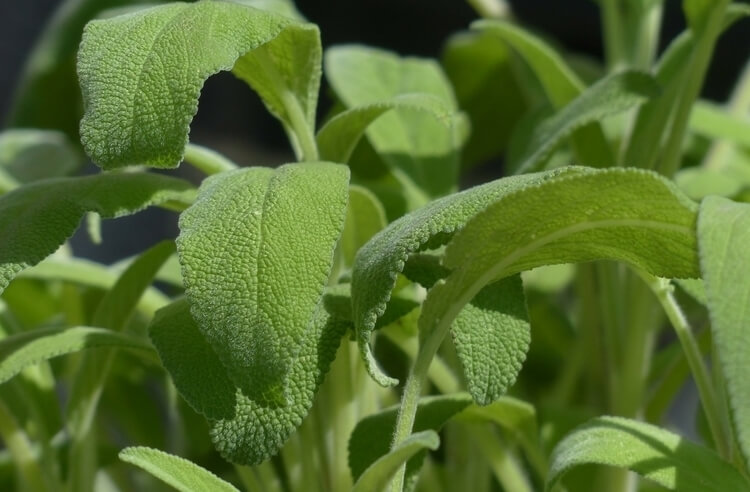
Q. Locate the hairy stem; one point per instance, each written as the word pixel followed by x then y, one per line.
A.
pixel 207 160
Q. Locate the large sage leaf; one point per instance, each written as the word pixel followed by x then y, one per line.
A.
pixel 417 147
pixel 723 238
pixel 242 429
pixel 31 347
pixel 256 250
pixel 37 218
pixel 380 260
pixel 139 99
pixel 178 472
pixel 654 453
pixel 609 96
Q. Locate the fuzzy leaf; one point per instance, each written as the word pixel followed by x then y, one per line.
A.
pixel 140 98
pixel 377 475
pixel 492 335
pixel 559 82
pixel 178 472
pixel 653 453
pixel 243 430
pixel 365 217
pixel 415 145
pixel 379 261
pixel 256 250
pixel 28 155
pixel 31 347
pixel 723 238
pixel 714 122
pixel 609 96
pixel 371 438
pixel 41 216
pixel 340 135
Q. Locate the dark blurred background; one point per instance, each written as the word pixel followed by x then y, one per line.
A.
pixel 232 119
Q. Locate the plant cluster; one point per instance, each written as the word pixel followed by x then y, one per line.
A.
pixel 354 321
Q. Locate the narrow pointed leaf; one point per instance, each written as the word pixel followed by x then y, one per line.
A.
pixel 243 430
pixel 36 219
pixel 609 96
pixel 257 250
pixel 492 335
pixel 371 438
pixel 140 98
pixel 414 144
pixel 380 261
pixel 340 135
pixel 654 453
pixel 559 82
pixel 180 473
pixel 31 347
pixel 723 238
pixel 377 476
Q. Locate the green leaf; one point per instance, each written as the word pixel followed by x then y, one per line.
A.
pixel 712 121
pixel 480 71
pixel 41 216
pixel 118 303
pixel 28 155
pixel 257 250
pixel 697 13
pixel 418 148
pixel 140 98
pixel 340 135
pixel 178 472
pixel 384 256
pixel 633 216
pixel 243 430
pixel 609 96
pixel 723 237
pixel 371 438
pixel 492 335
pixel 654 453
pixel 560 83
pixel 365 217
pixel 377 476
pixel 31 347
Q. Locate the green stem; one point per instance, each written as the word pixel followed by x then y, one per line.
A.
pixel 502 461
pixel 663 289
pixel 491 9
pixel 614 33
pixel 7 182
pixel 207 160
pixel 21 451
pixel 693 81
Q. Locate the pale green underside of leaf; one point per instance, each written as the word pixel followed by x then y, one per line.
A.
pixel 609 96
pixel 31 347
pixel 243 430
pixel 380 261
pixel 39 217
pixel 28 155
pixel 365 217
pixel 560 83
pixel 723 239
pixel 141 74
pixel 256 250
pixel 341 134
pixel 377 476
pixel 180 473
pixel 653 453
pixel 414 144
pixel 713 121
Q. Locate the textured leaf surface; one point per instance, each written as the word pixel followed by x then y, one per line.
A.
pixel 39 217
pixel 377 475
pixel 243 430
pixel 140 98
pixel 382 258
pixel 414 145
pixel 654 453
pixel 257 250
pixel 492 335
pixel 31 347
pixel 723 238
pixel 340 135
pixel 609 96
pixel 365 217
pixel 560 84
pixel 178 472
pixel 372 436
